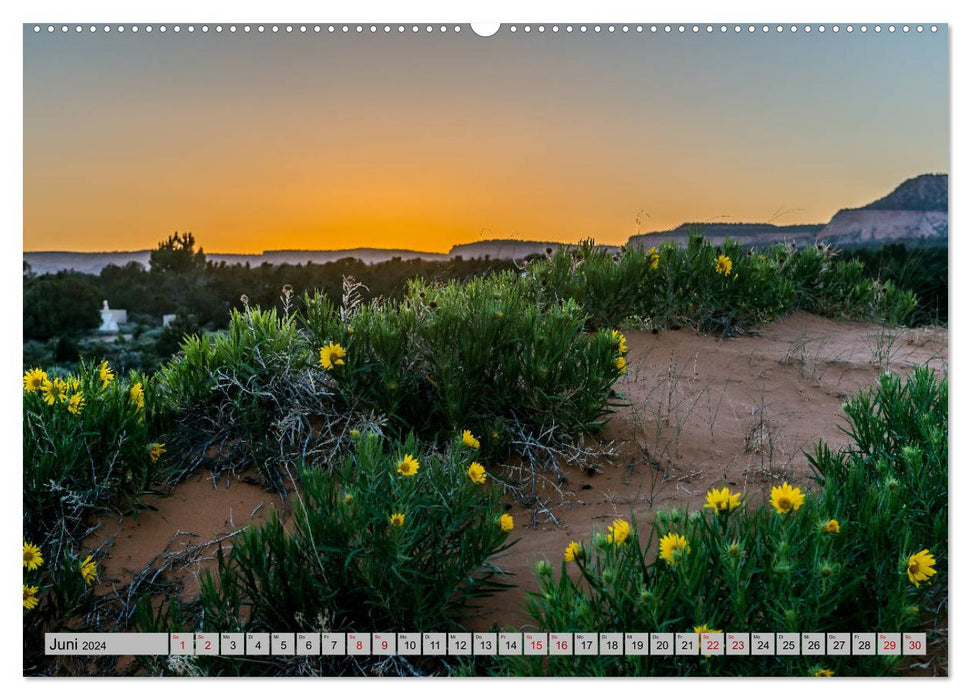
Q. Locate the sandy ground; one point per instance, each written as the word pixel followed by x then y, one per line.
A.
pixel 698 411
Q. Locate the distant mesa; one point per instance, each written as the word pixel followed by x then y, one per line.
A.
pixel 914 213
pixel 504 249
pixel 746 234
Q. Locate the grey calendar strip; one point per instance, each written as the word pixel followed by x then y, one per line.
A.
pixel 706 644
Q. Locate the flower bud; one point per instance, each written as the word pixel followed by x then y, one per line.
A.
pixel 543 568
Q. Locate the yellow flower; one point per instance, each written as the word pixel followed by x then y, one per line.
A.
pixel 137 394
pixel 723 265
pixel 397 519
pixel 621 364
pixel 672 547
pixel 822 673
pixel 832 526
pixel 88 569
pixel 105 373
pixel 331 356
pixel 722 500
pixel 408 466
pixel 34 379
pixel 477 473
pixel 355 432
pixel 469 440
pixel 786 498
pixel 505 522
pixel 620 341
pixel 158 449
pixel 573 552
pixel 618 532
pixel 30 596
pixel 350 330
pixel 920 567
pixel 348 498
pixel 32 556
pixel 654 258
pixel 76 404
pixel 54 391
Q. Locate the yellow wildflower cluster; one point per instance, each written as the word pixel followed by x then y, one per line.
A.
pixel 68 391
pixel 33 559
pixel 57 390
pixel 618 339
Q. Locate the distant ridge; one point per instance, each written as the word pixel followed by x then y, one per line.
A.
pixel 746 234
pixel 915 212
pixel 921 193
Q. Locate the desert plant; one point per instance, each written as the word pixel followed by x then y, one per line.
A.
pixel 87 446
pixel 57 598
pixel 867 552
pixel 481 354
pixel 392 538
pixel 254 396
pixel 721 289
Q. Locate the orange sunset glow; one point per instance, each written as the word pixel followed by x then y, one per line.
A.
pixel 424 142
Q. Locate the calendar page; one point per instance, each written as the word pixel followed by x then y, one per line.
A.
pixel 520 349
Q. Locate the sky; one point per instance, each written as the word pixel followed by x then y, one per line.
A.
pixel 423 141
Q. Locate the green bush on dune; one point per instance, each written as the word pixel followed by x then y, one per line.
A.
pixel 715 288
pixel 866 552
pixel 392 538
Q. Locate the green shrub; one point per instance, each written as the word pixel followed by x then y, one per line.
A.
pixel 57 598
pixel 87 445
pixel 714 289
pixel 891 483
pixel 252 396
pixel 346 563
pixel 834 561
pixel 481 355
